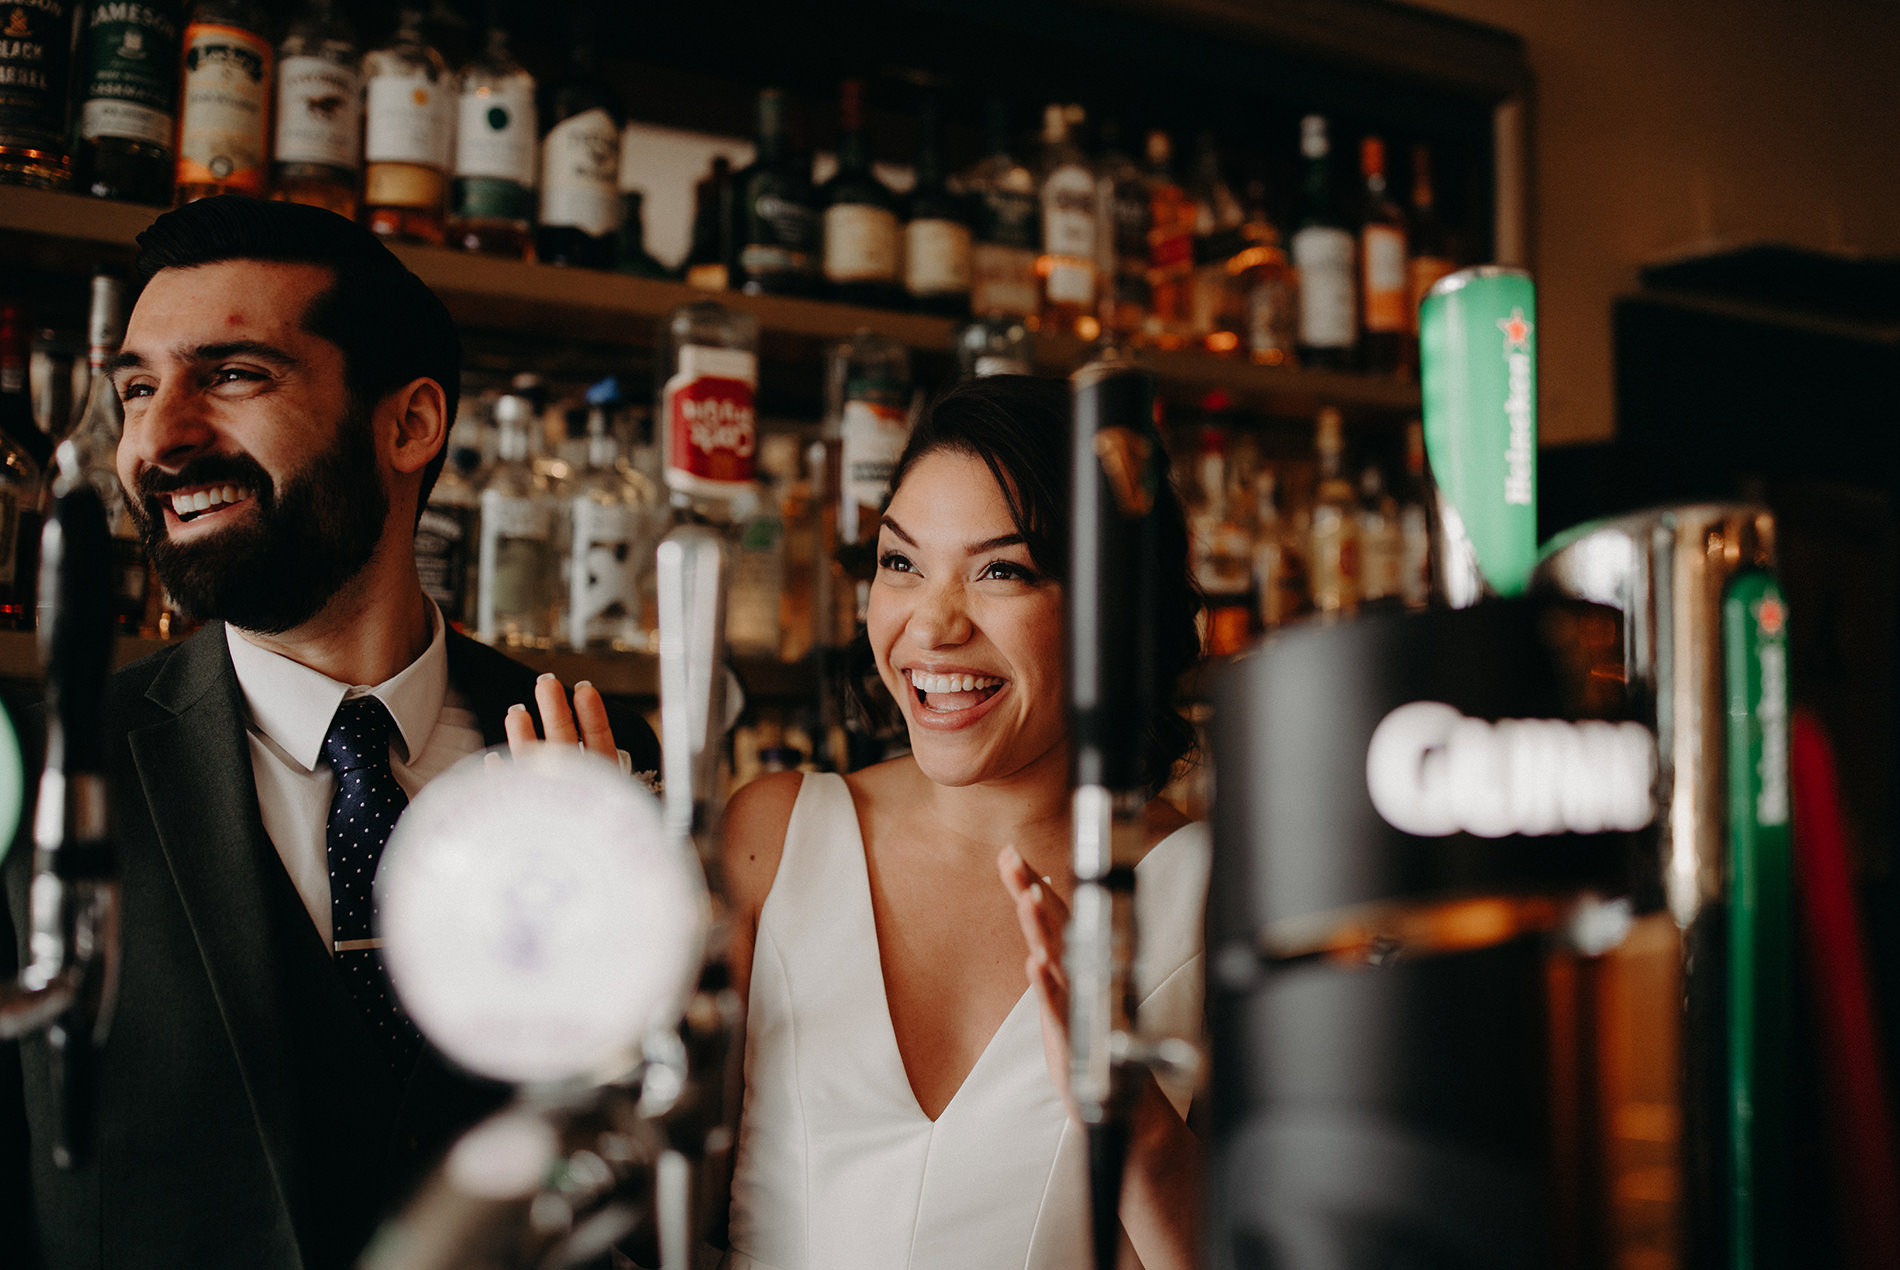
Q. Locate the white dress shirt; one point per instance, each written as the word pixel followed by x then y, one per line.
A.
pixel 291 707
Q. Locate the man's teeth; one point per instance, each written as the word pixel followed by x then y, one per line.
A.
pixel 950 683
pixel 205 499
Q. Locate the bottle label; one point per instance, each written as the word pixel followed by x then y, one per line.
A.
pixel 128 58
pixel 1008 218
pixel 222 104
pixel 580 174
pixel 1323 256
pixel 1068 212
pixel 1385 278
pixel 1426 271
pixel 936 258
pixel 1270 318
pixel 860 243
pixel 1002 280
pixel 490 198
pixel 403 185
pixel 319 112
pixel 515 586
pixel 33 64
pixel 872 437
pixel 495 132
pixel 783 234
pixel 442 557
pixel 603 571
pixel 409 122
pixel 711 431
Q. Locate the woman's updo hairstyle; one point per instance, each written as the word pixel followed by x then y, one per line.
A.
pixel 1019 427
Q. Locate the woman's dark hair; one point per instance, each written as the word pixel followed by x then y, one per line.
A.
pixel 1019 427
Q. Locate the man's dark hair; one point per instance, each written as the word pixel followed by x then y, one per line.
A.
pixel 391 327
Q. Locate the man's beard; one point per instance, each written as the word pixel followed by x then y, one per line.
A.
pixel 302 543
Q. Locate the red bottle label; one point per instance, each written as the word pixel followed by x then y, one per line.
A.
pixel 711 428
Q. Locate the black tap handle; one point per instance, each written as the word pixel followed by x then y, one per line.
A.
pixel 76 629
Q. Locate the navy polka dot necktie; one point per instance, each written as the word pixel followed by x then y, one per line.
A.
pixel 362 813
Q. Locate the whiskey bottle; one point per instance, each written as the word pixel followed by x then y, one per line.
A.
pixel 755 599
pixel 409 131
pixel 1323 259
pixel 1333 547
pixel 517 587
pixel 1279 573
pixel 1269 302
pixel 1213 307
pixel 709 257
pixel 35 56
pixel 707 420
pixel 1432 253
pixel 491 194
pixel 1415 537
pixel 1121 237
pixel 937 228
pixel 1383 273
pixel 1171 223
pixel 861 263
pixel 580 160
pixel 1381 539
pixel 1222 554
pixel 318 158
pixel 867 399
pixel 224 101
pixel 778 229
pixel 24 453
pixel 126 90
pixel 1007 234
pixel 1066 266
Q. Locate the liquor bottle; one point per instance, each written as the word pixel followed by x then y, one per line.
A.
pixel 89 454
pixel 709 253
pixel 1381 539
pixel 1333 547
pixel 707 420
pixel 1268 299
pixel 1170 247
pixel 1214 317
pixel 1006 234
pixel 631 256
pixel 35 56
pixel 318 158
pixel 996 345
pixel 1415 551
pixel 1121 237
pixel 1384 280
pixel 1323 258
pixel 1222 553
pixel 611 536
pixel 24 452
pixel 1067 264
pixel 125 82
pixel 491 194
pixel 755 596
pixel 409 133
pixel 448 533
pixel 1432 253
pixel 800 525
pixel 861 230
pixel 517 587
pixel 867 415
pixel 224 101
pixel 777 227
pixel 580 159
pixel 936 229
pixel 1279 574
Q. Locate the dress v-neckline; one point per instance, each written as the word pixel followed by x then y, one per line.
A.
pixel 888 1032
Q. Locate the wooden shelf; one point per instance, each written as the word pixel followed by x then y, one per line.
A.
pixel 69 233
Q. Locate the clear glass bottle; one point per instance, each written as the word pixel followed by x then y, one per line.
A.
pixel 755 597
pixel 1066 266
pixel 1170 247
pixel 1384 273
pixel 491 194
pixel 409 134
pixel 937 227
pixel 867 422
pixel 1323 250
pixel 861 230
pixel 1333 559
pixel 610 542
pixel 580 159
pixel 448 534
pixel 35 58
pixel 1007 232
pixel 224 101
pixel 125 94
pixel 318 158
pixel 518 589
pixel 706 416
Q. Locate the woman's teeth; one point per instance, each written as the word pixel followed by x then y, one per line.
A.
pixel 205 499
pixel 951 683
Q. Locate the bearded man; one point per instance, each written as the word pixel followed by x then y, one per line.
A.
pixel 262 1100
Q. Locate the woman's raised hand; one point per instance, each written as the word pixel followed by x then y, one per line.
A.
pixel 585 725
pixel 1043 916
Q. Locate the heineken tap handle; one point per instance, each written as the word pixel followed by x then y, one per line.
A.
pixel 1116 470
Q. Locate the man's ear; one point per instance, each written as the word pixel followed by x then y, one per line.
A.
pixel 420 413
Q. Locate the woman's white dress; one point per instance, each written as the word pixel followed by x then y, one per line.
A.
pixel 838 1166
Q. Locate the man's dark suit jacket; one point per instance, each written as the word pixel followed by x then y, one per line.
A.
pixel 246 1117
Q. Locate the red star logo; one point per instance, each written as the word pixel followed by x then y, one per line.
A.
pixel 1517 332
pixel 1770 616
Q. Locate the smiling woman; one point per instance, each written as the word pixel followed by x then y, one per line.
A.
pixel 906 1064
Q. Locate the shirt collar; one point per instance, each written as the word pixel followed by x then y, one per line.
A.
pixel 293 705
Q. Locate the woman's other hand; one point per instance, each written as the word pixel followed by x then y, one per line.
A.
pixel 585 724
pixel 1043 917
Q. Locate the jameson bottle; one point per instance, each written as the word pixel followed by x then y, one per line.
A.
pixel 491 197
pixel 936 229
pixel 318 158
pixel 224 101
pixel 125 90
pixel 861 229
pixel 409 129
pixel 777 226
pixel 1007 233
pixel 580 160
pixel 1383 280
pixel 35 55
pixel 1067 264
pixel 1323 257
pixel 708 425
